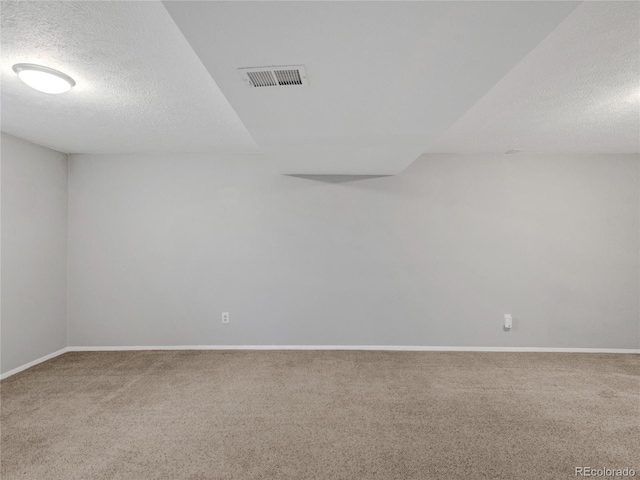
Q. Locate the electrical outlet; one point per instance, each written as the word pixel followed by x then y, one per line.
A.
pixel 508 321
pixel 225 317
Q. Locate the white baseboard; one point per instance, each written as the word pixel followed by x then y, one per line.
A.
pixel 33 363
pixel 393 348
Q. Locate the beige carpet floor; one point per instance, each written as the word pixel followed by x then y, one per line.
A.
pixel 320 415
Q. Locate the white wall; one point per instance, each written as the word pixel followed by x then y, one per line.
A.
pixel 34 252
pixel 160 245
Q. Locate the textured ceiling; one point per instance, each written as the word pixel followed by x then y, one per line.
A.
pixel 385 78
pixel 140 87
pixel 577 92
pixel 388 81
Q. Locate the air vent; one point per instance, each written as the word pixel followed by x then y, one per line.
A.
pixel 288 77
pixel 262 79
pixel 282 76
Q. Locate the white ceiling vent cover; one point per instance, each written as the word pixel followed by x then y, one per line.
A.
pixel 281 76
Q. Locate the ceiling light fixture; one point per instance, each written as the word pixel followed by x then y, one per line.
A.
pixel 44 79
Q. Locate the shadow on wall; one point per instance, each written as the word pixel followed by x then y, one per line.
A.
pixel 338 178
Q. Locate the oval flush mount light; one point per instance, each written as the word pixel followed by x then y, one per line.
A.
pixel 44 79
